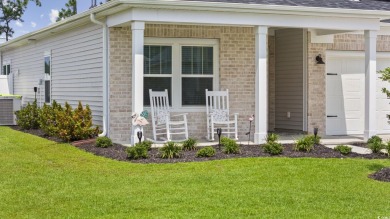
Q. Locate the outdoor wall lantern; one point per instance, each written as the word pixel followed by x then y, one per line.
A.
pixel 139 135
pixel 35 91
pixel 319 59
pixel 219 133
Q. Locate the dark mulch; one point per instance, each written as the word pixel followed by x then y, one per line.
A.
pixel 360 144
pixel 382 175
pixel 117 152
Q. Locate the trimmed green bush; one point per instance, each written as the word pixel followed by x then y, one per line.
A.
pixel 304 144
pixel 315 139
pixel 103 142
pixel 28 116
pixel 375 143
pixel 271 137
pixel 343 149
pixel 189 144
pixel 374 138
pixel 273 148
pixel 75 124
pixel 147 145
pixel 387 147
pixel 230 146
pixel 136 152
pixel 206 152
pixel 48 118
pixel 170 150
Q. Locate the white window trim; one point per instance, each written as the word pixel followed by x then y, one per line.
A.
pixel 5 63
pixel 176 75
pixel 46 76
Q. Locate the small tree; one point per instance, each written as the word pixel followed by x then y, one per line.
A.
pixel 386 77
pixel 71 9
pixel 12 10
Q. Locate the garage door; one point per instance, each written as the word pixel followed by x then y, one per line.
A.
pixel 345 83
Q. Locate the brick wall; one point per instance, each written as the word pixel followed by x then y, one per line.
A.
pixel 237 66
pixel 317 76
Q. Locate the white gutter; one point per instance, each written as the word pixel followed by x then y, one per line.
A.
pixel 105 74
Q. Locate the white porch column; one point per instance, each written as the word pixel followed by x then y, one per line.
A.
pixel 137 72
pixel 261 84
pixel 370 91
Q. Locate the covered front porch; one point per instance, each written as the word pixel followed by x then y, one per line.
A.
pixel 243 60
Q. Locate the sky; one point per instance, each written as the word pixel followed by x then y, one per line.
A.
pixel 36 17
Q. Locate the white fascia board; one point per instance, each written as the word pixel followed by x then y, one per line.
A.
pixel 265 8
pixel 245 19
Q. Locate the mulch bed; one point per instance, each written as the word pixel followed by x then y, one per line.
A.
pixel 118 152
pixel 381 175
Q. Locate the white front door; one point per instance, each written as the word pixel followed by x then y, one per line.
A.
pixel 345 83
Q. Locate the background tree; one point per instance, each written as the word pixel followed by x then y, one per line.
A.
pixel 386 77
pixel 12 10
pixel 71 9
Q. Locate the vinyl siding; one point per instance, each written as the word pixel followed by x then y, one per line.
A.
pixel 76 59
pixel 289 79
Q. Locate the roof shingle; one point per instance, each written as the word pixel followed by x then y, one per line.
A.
pixel 382 5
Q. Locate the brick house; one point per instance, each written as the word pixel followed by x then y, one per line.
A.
pixel 267 54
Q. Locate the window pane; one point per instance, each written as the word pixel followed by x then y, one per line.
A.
pixel 166 60
pixel 8 69
pixel 186 60
pixel 208 60
pixel 197 60
pixel 157 60
pixel 156 84
pixel 47 91
pixel 194 90
pixel 47 65
pixel 4 70
pixel 146 60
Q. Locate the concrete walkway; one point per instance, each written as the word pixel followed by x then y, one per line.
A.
pixel 355 149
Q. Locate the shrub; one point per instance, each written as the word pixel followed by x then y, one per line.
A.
pixel 374 138
pixel 206 152
pixel 136 152
pixel 271 137
pixel 387 147
pixel 170 150
pixel 28 116
pixel 304 144
pixel 273 148
pixel 230 146
pixel 75 125
pixel 147 145
pixel 376 146
pixel 315 139
pixel 189 144
pixel 103 142
pixel 48 118
pixel 343 149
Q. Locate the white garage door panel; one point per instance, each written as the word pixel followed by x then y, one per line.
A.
pixel 345 95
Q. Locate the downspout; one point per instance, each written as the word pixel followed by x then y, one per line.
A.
pixel 105 74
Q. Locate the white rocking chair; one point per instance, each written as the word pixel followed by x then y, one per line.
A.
pixel 217 108
pixel 161 118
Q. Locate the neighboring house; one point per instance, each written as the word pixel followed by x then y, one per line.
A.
pixel 263 52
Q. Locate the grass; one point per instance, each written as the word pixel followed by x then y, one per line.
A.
pixel 43 179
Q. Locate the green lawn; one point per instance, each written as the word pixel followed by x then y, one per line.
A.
pixel 43 179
